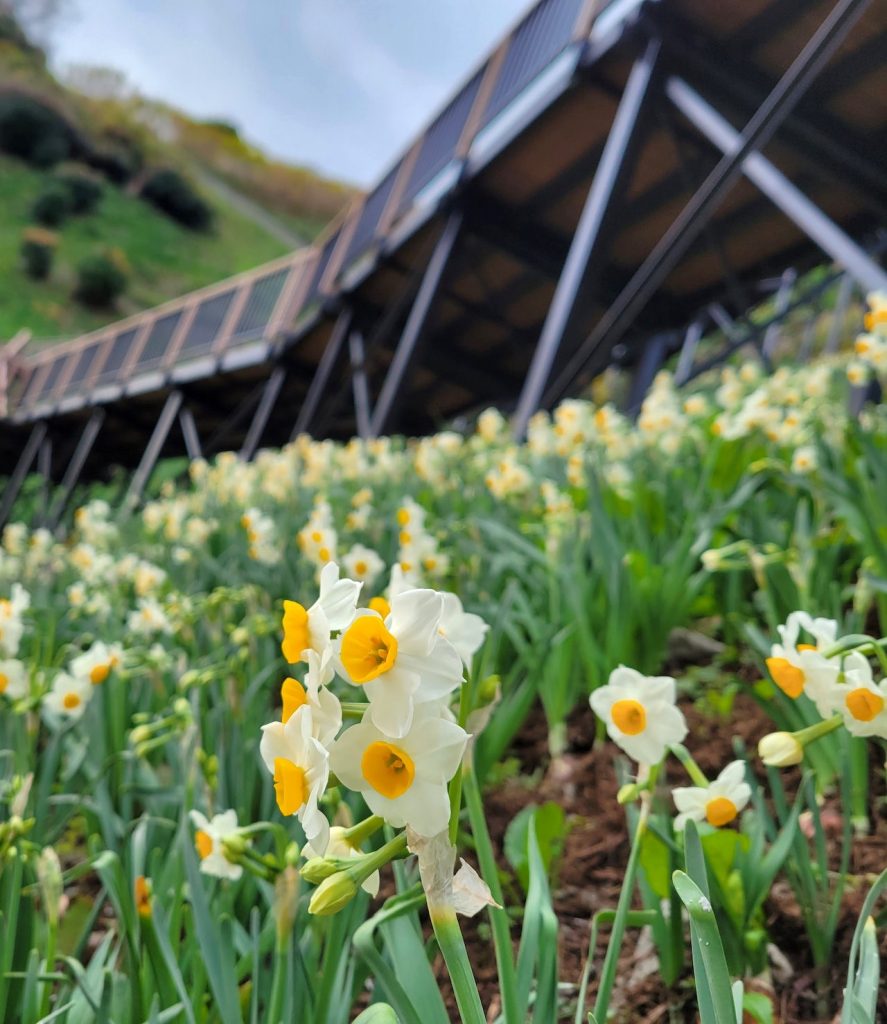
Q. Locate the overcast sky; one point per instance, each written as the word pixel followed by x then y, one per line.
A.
pixel 339 85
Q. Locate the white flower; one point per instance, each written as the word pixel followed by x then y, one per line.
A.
pixel 11 625
pixel 719 803
pixel 464 630
pixel 860 701
pixel 148 618
pixel 801 668
pixel 640 713
pixel 326 711
pixel 300 766
pixel 208 841
pixel 400 661
pixel 403 779
pixel 362 563
pixel 804 459
pixel 96 663
pixel 13 679
pixel 309 629
pixel 69 695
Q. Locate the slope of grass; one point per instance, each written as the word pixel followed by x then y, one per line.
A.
pixel 164 259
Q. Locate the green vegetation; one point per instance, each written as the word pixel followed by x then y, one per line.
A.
pixel 165 260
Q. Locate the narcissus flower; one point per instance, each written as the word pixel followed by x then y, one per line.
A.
pixel 96 663
pixel 69 695
pixel 799 668
pixel 326 711
pixel 13 679
pixel 363 564
pixel 860 701
pixel 719 803
pixel 403 778
pixel 209 839
pixel 309 628
pixel 464 630
pixel 400 661
pixel 640 713
pixel 300 767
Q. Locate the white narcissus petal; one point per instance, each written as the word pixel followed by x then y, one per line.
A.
pixel 437 746
pixel 338 598
pixel 415 616
pixel 391 701
pixel 440 673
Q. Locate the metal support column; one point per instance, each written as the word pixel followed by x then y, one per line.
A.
pixel 19 474
pixel 152 451
pixel 44 470
pixel 574 279
pixel 323 373
pixel 688 351
pixel 383 414
pixel 783 301
pixel 190 434
pixel 675 243
pixel 774 184
pixel 362 411
pixel 650 363
pixel 262 414
pixel 75 467
pixel 842 303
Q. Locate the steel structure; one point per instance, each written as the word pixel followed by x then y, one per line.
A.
pixel 612 173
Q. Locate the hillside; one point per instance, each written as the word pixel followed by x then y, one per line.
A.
pixel 223 206
pixel 164 259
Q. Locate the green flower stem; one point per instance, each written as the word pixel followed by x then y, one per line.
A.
pixel 364 829
pixel 498 917
pixel 691 767
pixel 353 709
pixel 814 732
pixel 452 945
pixel 611 960
pixel 455 791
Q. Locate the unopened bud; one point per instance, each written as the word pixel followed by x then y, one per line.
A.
pixel 333 894
pixel 780 750
pixel 49 875
pixel 286 901
pixel 318 869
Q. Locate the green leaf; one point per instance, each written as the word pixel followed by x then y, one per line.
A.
pixel 758 1006
pixel 551 832
pixel 655 862
pixel 378 1013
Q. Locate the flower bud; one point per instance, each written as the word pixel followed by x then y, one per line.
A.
pixel 286 901
pixel 317 869
pixel 333 894
pixel 780 750
pixel 49 875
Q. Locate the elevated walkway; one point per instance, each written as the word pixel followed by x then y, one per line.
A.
pixel 611 173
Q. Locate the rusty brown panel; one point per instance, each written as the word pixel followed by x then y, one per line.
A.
pixel 779 50
pixel 721 18
pixel 864 106
pixel 552 146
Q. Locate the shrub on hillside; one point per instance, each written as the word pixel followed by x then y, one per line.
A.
pixel 52 206
pixel 34 131
pixel 100 280
pixel 175 196
pixel 37 250
pixel 82 185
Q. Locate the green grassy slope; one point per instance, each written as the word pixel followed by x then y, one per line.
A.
pixel 165 259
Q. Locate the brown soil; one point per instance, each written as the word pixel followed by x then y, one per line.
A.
pixel 590 873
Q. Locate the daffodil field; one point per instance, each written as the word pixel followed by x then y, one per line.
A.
pixel 258 736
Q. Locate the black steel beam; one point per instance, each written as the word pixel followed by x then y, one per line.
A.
pixel 152 451
pixel 324 371
pixel 20 473
pixel 357 357
pixel 385 410
pixel 270 392
pixel 74 469
pixel 586 250
pixel 190 433
pixel 782 193
pixel 686 228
